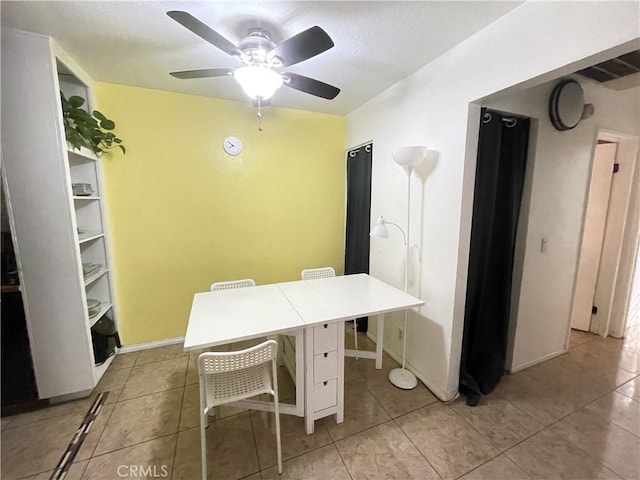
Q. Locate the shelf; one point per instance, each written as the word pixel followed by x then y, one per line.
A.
pixel 81 156
pixel 85 197
pixel 104 308
pixel 88 236
pixel 92 277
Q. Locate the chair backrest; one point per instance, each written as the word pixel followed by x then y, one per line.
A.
pixel 312 273
pixel 220 362
pixel 247 282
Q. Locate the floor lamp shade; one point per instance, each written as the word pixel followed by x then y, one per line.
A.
pixel 409 157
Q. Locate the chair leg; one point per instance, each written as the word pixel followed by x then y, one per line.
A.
pixel 276 409
pixel 203 442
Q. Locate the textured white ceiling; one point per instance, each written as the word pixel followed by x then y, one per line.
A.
pixel 376 43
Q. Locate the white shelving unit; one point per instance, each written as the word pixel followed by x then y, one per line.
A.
pixel 56 231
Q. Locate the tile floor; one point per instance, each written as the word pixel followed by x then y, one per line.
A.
pixel 576 416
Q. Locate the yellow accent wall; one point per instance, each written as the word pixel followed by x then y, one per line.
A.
pixel 184 214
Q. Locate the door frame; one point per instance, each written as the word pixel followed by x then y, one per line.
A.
pixel 626 190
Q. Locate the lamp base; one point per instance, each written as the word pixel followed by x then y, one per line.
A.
pixel 403 378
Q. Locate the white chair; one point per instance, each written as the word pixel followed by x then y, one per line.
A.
pixel 313 273
pixel 247 282
pixel 227 377
pixel 326 272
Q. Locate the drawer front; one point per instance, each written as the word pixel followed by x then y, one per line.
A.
pixel 325 367
pixel 325 338
pixel 325 395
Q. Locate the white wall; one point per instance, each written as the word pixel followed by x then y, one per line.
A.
pixel 534 43
pixel 559 178
pixel 633 316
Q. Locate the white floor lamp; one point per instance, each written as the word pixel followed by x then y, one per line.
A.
pixel 408 158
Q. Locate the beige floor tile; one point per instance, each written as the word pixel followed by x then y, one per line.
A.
pixel 36 447
pixel 579 338
pixel 631 389
pixel 501 422
pixel 603 441
pixel 618 409
pixel 192 370
pixel 614 367
pixel 155 377
pixel 321 464
pixel 630 343
pixel 91 440
pixel 384 452
pixel 295 440
pixel 362 370
pixel 449 443
pixel 6 421
pixel 80 407
pixel 124 360
pixel 547 455
pixel 74 473
pixel 149 460
pixel 170 352
pixel 113 381
pixel 542 401
pixel 190 415
pixel 141 419
pixel 361 411
pixel 580 389
pixel 231 452
pixel 499 468
pixel 397 401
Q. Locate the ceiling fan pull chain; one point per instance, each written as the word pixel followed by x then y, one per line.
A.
pixel 259 116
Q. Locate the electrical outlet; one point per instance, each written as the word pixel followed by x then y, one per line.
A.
pixel 400 332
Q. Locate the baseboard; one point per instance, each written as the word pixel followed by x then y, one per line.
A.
pixel 523 366
pixel 441 394
pixel 148 345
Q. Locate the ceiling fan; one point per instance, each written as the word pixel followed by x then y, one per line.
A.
pixel 262 58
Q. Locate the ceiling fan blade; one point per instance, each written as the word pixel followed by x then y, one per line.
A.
pixel 206 73
pixel 302 46
pixel 205 32
pixel 310 85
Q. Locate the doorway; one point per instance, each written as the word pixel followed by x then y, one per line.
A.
pixel 19 391
pixel 609 239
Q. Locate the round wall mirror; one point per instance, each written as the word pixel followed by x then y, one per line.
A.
pixel 566 105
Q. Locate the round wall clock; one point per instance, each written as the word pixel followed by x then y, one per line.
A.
pixel 232 145
pixel 566 105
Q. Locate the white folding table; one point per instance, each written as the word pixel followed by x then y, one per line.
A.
pixel 319 307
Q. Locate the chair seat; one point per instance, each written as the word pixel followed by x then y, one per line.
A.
pixel 226 387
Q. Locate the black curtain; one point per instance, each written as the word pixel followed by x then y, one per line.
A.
pixel 502 155
pixel 356 256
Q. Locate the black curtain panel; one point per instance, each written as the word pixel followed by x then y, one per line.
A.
pixel 356 259
pixel 502 155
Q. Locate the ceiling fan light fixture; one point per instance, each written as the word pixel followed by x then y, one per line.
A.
pixel 257 81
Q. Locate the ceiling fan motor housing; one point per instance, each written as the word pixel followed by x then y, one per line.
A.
pixel 256 46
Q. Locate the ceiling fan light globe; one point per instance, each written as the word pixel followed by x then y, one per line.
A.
pixel 258 81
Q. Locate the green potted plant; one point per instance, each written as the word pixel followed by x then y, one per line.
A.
pixel 84 129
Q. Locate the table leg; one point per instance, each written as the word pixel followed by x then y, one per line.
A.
pixel 380 335
pixel 308 380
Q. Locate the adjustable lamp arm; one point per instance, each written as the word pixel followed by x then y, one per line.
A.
pixel 404 237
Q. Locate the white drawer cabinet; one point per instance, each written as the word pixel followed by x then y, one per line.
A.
pixel 325 338
pixel 325 367
pixel 324 372
pixel 325 395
